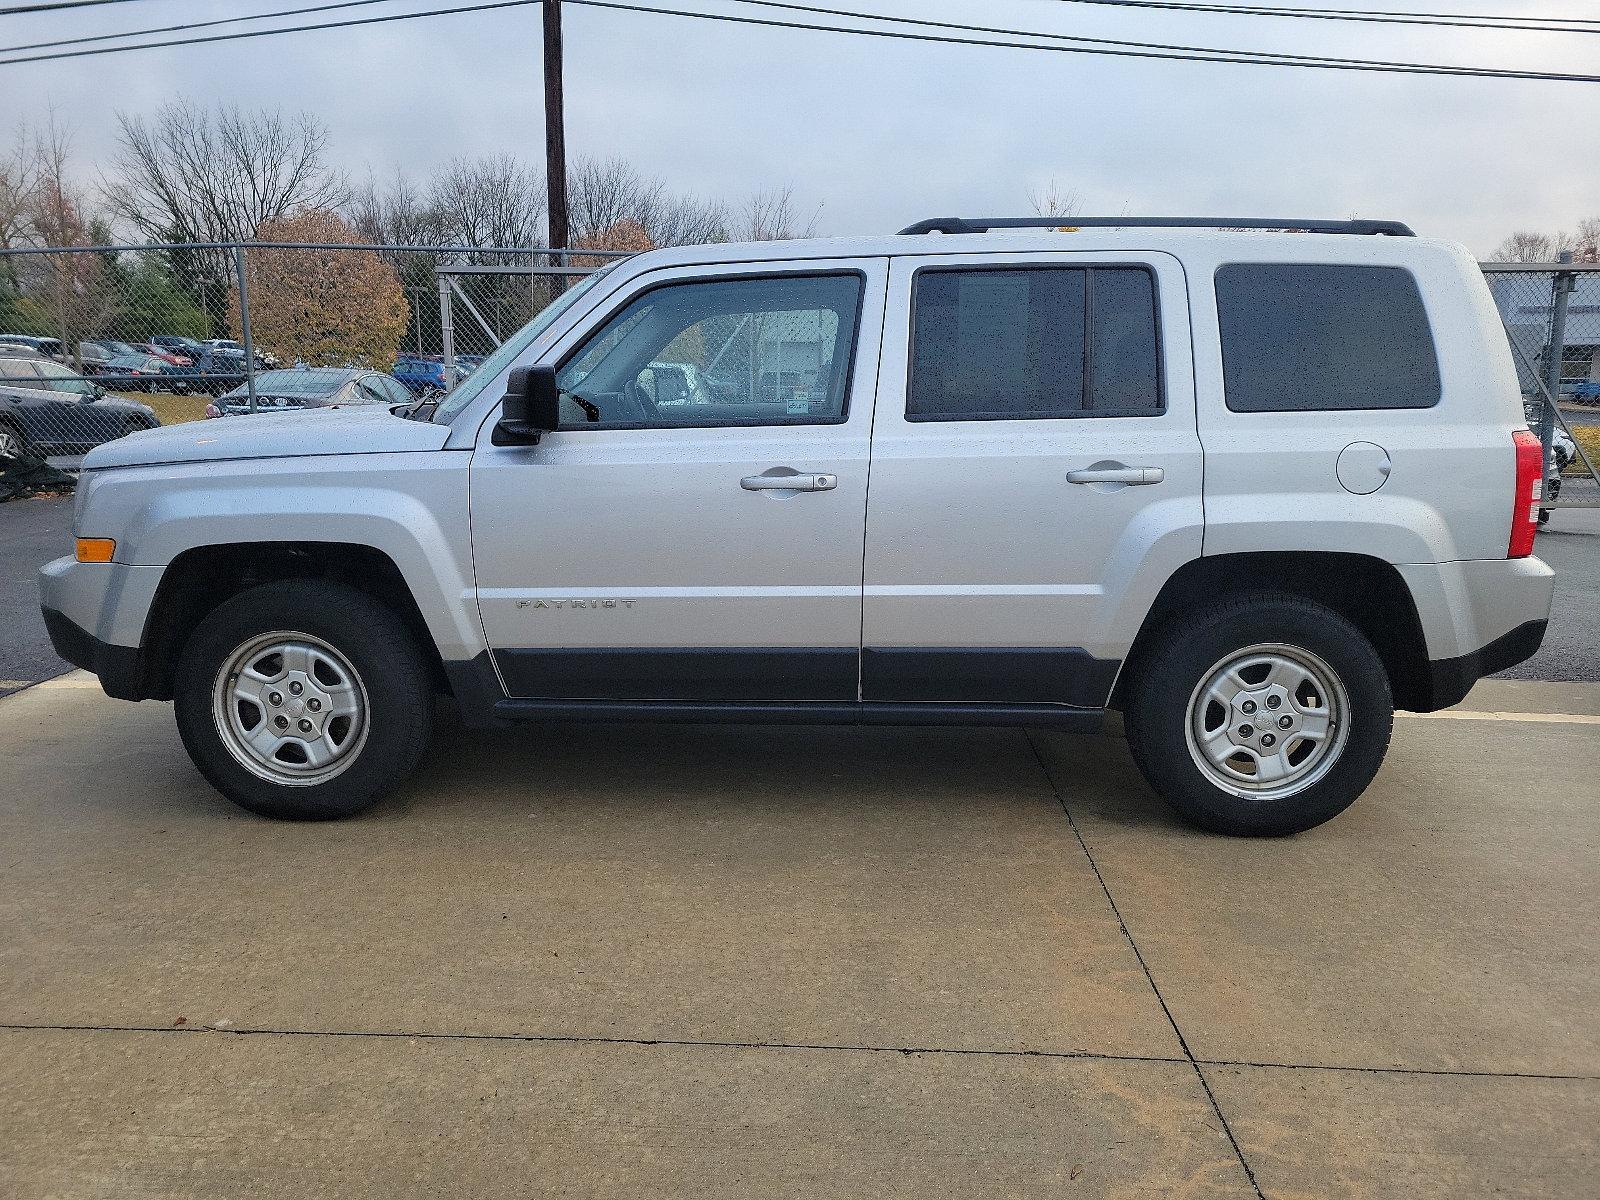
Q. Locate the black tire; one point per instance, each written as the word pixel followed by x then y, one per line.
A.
pixel 1180 658
pixel 15 439
pixel 377 645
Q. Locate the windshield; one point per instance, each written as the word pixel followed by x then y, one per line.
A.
pixel 511 349
pixel 295 383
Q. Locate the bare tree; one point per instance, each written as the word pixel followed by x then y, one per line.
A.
pixel 772 217
pixel 395 214
pixel 192 175
pixel 602 193
pixel 68 293
pixel 1527 245
pixel 189 174
pixel 1586 243
pixel 494 201
pixel 20 172
pixel 1053 200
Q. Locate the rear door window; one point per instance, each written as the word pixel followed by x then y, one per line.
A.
pixel 1324 337
pixel 1034 343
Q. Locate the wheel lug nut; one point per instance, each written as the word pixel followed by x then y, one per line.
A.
pixel 274 698
pixel 281 722
pixel 1267 739
pixel 1249 706
pixel 1274 701
pixel 305 725
pixel 1285 721
pixel 296 688
pixel 315 705
pixel 1247 731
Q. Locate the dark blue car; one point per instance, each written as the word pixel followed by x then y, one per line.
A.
pixel 420 374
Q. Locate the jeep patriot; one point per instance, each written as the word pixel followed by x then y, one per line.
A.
pixel 1255 484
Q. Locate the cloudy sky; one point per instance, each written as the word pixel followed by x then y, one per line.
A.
pixel 879 133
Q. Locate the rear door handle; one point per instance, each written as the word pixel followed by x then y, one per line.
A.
pixel 789 483
pixel 1137 476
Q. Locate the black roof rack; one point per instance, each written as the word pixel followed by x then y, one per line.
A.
pixel 984 224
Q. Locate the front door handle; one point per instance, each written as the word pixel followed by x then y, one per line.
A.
pixel 1136 476
pixel 789 483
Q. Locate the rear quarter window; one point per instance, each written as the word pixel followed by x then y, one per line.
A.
pixel 1324 337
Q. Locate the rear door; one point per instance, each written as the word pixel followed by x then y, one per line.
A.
pixel 1036 474
pixel 693 532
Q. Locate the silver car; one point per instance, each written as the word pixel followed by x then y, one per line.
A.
pixel 1254 488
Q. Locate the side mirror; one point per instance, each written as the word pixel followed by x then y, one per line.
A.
pixel 530 408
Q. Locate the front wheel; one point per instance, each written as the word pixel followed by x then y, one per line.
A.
pixel 1263 716
pixel 303 699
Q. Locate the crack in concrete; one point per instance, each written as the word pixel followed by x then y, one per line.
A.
pixel 580 1039
pixel 591 1039
pixel 1183 1043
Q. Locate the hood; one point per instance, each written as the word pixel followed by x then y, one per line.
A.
pixel 370 429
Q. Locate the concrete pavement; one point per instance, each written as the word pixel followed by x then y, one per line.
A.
pixel 632 960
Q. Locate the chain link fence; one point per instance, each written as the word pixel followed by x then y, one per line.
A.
pixel 99 342
pixel 1552 318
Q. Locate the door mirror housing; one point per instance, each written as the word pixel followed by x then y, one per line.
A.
pixel 530 408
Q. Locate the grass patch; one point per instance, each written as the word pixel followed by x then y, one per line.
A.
pixel 173 410
pixel 1587 436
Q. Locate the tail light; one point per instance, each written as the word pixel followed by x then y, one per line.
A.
pixel 213 411
pixel 1529 494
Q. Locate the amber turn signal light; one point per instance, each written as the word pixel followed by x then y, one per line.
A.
pixel 96 550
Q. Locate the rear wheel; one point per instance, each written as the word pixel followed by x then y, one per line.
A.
pixel 12 444
pixel 303 699
pixel 1266 715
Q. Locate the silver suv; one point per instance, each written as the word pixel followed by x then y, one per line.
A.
pixel 1256 488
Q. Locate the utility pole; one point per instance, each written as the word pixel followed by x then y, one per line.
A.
pixel 555 134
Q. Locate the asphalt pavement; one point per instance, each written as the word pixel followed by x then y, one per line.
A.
pixel 32 532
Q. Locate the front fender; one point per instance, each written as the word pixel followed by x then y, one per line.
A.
pixel 412 507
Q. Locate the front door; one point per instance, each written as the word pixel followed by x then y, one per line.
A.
pixel 693 532
pixel 1036 474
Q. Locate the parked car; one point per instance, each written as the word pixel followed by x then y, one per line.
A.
pixel 48 346
pixel 264 360
pixel 1582 391
pixel 422 374
pixel 93 356
pixel 311 387
pixel 47 409
pixel 112 346
pixel 144 373
pixel 215 372
pixel 174 344
pixel 166 356
pixel 1255 489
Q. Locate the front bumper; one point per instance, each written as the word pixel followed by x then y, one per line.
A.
pixel 95 614
pixel 120 668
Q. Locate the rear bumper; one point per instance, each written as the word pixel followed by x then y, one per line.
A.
pixel 1478 616
pixel 1450 679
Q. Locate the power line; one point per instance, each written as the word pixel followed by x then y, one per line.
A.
pixel 111 37
pixel 1288 59
pixel 28 8
pixel 1101 47
pixel 1366 16
pixel 255 33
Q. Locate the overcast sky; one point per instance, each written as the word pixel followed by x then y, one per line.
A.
pixel 880 133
